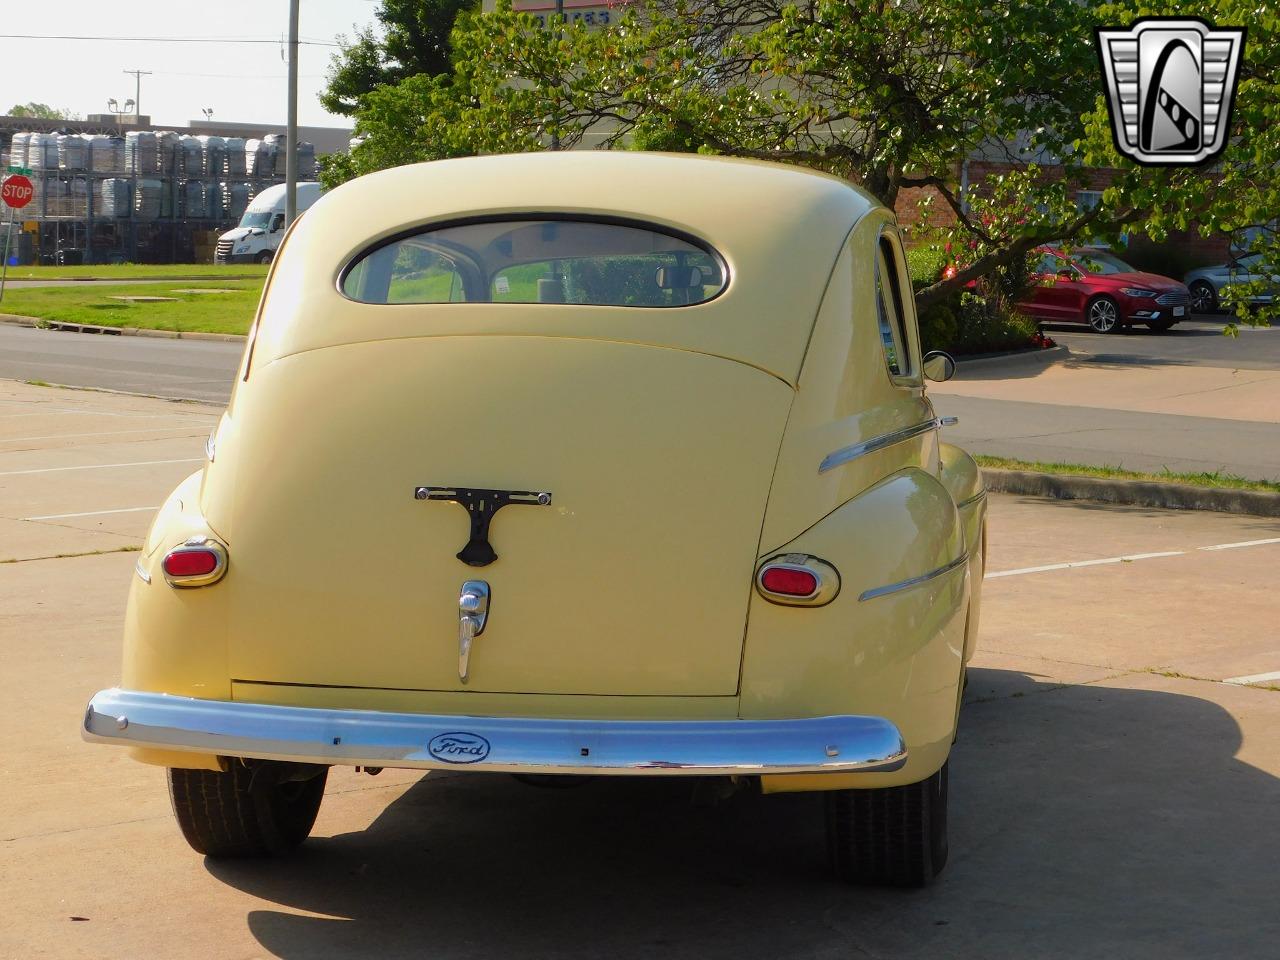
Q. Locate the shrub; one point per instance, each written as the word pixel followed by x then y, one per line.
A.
pixel 989 324
pixel 938 326
pixel 925 263
pixel 980 320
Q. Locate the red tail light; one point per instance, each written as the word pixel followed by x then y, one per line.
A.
pixel 197 563
pixel 798 580
pixel 191 563
pixel 789 582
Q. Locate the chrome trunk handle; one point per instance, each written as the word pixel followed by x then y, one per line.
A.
pixel 473 611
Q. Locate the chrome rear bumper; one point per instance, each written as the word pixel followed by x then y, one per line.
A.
pixel 509 744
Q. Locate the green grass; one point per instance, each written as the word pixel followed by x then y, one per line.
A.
pixel 139 271
pixel 187 312
pixel 1214 479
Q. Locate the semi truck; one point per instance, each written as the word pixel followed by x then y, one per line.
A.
pixel 261 229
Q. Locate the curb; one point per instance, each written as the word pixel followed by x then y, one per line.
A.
pixel 122 393
pixel 1052 355
pixel 1138 493
pixel 238 276
pixel 20 321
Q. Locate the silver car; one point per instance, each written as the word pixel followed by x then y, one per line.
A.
pixel 1206 283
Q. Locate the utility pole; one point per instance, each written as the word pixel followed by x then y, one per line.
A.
pixel 291 131
pixel 137 94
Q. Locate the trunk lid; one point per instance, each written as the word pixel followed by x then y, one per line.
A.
pixel 634 580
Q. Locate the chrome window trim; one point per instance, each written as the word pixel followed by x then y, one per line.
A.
pixel 636 223
pixel 884 591
pixel 863 447
pixel 830 744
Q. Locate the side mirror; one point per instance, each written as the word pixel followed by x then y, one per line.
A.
pixel 1066 275
pixel 939 366
pixel 277 222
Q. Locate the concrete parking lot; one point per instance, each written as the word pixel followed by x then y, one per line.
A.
pixel 1114 788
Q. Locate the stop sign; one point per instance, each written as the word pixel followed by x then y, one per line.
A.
pixel 17 191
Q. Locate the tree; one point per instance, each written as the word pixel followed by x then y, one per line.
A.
pixel 413 40
pixel 888 94
pixel 42 111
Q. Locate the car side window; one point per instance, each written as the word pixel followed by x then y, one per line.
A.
pixel 891 307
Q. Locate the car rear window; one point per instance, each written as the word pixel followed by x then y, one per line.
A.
pixel 584 262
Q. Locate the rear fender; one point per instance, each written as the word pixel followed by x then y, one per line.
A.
pixel 894 654
pixel 963 479
pixel 175 639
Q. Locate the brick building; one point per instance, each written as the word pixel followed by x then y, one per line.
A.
pixel 1182 251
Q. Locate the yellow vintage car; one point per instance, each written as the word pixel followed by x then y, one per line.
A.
pixel 602 463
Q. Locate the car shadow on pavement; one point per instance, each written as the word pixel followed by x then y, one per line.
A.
pixel 1086 820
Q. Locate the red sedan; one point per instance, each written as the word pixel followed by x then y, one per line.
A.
pixel 1097 288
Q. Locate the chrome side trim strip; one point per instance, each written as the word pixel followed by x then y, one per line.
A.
pixel 855 450
pixel 141 572
pixel 980 495
pixel 914 581
pixel 507 744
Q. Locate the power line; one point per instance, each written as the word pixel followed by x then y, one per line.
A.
pixel 35 36
pixel 239 76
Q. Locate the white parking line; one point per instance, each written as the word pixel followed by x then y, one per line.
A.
pixel 1254 678
pixel 1126 559
pixel 57 411
pixel 99 466
pixel 1242 543
pixel 1082 563
pixel 91 513
pixel 111 433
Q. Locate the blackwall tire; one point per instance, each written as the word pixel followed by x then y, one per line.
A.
pixel 1204 299
pixel 266 256
pixel 246 811
pixel 889 836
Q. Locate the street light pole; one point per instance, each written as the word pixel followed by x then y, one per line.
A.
pixel 291 131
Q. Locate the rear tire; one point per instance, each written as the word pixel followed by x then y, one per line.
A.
pixel 889 836
pixel 246 811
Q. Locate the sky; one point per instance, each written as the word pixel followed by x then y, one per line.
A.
pixel 241 82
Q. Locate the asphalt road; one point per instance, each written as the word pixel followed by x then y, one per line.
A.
pixel 1149 442
pixel 1193 342
pixel 203 370
pixel 189 369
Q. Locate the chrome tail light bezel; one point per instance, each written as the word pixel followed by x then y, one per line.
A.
pixel 197 545
pixel 827 576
